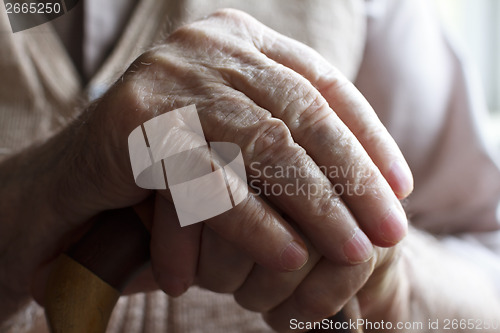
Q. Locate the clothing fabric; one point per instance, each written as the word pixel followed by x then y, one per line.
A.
pixel 421 87
pixel 429 97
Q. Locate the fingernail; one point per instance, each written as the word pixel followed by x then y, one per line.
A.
pixel 174 286
pixel 294 256
pixel 400 179
pixel 395 225
pixel 358 249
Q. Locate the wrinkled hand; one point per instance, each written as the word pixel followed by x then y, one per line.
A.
pixel 282 103
pixel 287 108
pixel 318 290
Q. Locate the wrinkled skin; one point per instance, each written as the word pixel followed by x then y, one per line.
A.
pixel 284 105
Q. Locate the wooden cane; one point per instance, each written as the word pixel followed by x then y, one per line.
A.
pixel 87 281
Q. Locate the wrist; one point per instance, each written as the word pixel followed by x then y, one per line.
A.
pixel 94 172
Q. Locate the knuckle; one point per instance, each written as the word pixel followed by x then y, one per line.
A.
pixel 240 23
pixel 349 152
pixel 373 135
pixel 315 112
pixel 228 114
pixel 315 304
pixel 272 140
pixel 366 177
pixel 312 108
pixel 323 205
pixel 343 139
pixel 152 67
pixel 150 56
pixel 332 80
pixel 308 117
pixel 191 35
pixel 182 31
pixel 230 14
pixel 134 94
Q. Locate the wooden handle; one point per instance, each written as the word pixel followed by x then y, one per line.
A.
pixel 86 282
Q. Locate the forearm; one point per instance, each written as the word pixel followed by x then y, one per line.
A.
pixel 432 284
pixel 27 220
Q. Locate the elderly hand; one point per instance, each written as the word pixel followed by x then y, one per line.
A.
pixel 280 101
pixel 289 301
pixel 288 109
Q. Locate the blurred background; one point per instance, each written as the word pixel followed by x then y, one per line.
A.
pixel 475 26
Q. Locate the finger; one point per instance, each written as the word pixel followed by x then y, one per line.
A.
pixel 350 106
pixel 222 268
pixel 250 224
pixel 260 232
pixel 267 142
pixel 341 95
pixel 291 97
pixel 281 170
pixel 174 250
pixel 206 185
pixel 322 294
pixel 265 289
pixel 330 143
